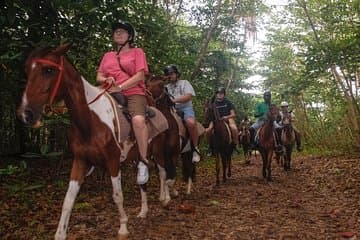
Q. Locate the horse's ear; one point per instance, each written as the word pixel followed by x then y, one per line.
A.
pixel 62 49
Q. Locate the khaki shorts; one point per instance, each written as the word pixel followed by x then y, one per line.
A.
pixel 137 105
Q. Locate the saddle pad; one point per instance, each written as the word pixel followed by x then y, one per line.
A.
pixel 182 129
pixel 157 124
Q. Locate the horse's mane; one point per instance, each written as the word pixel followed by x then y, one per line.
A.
pixel 153 78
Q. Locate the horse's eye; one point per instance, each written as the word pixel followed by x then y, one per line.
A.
pixel 48 71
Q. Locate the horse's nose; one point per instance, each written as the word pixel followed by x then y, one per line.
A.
pixel 28 116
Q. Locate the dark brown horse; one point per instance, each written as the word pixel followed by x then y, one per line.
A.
pixel 267 141
pixel 93 133
pixel 244 140
pixel 176 136
pixel 220 140
pixel 287 140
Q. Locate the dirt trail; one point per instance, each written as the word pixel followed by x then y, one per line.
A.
pixel 318 199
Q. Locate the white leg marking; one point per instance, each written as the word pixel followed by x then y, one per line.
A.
pixel 164 188
pixel 68 204
pixel 170 184
pixel 189 185
pixel 144 206
pixel 119 201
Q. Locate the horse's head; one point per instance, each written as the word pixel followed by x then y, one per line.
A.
pixel 44 69
pixel 208 112
pixel 273 113
pixel 155 85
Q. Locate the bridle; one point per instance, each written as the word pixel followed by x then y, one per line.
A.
pixel 60 67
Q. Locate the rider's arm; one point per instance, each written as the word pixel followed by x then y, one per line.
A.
pixel 183 99
pixel 187 92
pixel 232 114
pixel 101 78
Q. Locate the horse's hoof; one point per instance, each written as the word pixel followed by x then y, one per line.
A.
pixel 165 203
pixel 141 215
pixel 60 237
pixel 175 193
pixel 122 236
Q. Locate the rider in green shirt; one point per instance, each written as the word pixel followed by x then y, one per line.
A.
pixel 261 111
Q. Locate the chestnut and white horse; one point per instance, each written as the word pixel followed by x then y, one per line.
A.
pixel 92 135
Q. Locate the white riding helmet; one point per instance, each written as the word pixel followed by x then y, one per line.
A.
pixel 284 104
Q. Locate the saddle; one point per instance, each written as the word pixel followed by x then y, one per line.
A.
pixel 155 121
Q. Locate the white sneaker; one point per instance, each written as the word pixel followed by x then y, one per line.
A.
pixel 196 156
pixel 143 174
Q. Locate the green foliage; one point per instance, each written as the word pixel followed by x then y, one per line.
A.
pixel 162 31
pixel 13 169
pixel 318 36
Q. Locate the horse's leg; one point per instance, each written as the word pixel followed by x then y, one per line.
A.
pixel 144 204
pixel 113 166
pixel 290 153
pixel 188 170
pixel 246 153
pixel 164 197
pixel 78 171
pixel 217 168
pixel 270 155
pixel 171 175
pixel 264 158
pixel 229 164
pixel 285 161
pixel 288 156
pixel 119 201
pixel 224 165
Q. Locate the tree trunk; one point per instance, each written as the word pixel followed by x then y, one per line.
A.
pixel 205 43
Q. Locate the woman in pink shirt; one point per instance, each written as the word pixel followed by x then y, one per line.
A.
pixel 125 68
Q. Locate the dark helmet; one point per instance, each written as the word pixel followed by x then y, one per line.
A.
pixel 126 26
pixel 220 90
pixel 171 69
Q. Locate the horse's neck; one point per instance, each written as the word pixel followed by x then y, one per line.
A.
pixel 79 95
pixel 90 91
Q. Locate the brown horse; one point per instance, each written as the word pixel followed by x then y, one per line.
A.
pixel 93 133
pixel 244 140
pixel 176 136
pixel 287 140
pixel 220 140
pixel 267 141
